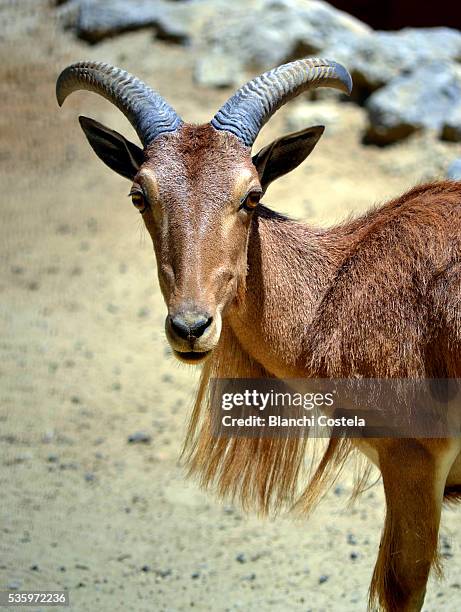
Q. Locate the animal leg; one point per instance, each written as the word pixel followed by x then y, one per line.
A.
pixel 414 475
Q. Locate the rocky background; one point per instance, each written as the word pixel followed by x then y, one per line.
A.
pixel 92 404
pixel 407 81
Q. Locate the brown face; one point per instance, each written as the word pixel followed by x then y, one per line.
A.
pixel 197 189
pixel 197 192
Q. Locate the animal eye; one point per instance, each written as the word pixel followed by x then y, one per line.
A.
pixel 250 201
pixel 138 201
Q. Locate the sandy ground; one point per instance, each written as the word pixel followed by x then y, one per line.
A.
pixel 84 363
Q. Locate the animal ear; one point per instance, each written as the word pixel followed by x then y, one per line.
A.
pixel 112 148
pixel 285 154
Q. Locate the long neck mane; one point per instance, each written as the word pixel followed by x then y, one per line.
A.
pixel 262 337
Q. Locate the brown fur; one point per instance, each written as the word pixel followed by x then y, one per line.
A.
pixel 314 307
pixel 378 297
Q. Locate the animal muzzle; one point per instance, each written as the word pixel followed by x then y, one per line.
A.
pixel 190 325
pixel 192 334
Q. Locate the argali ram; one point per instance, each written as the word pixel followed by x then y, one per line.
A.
pixel 251 293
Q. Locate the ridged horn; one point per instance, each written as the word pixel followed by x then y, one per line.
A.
pixel 144 108
pixel 245 113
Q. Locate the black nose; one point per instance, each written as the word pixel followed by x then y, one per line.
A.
pixel 190 325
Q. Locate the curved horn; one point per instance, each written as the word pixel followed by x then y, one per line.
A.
pixel 245 113
pixel 145 109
